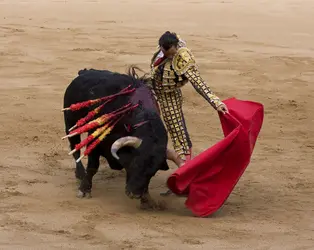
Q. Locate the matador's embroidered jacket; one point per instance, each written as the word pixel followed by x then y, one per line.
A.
pixel 168 76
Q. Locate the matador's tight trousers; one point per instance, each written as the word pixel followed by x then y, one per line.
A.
pixel 171 108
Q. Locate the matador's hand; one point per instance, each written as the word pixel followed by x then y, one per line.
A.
pixel 222 108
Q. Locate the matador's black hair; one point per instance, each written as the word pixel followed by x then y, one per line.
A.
pixel 168 39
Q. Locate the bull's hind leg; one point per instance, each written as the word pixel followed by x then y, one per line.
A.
pixel 85 188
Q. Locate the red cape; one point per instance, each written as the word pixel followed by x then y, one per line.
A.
pixel 209 178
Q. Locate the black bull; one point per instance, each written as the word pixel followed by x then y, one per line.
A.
pixel 141 163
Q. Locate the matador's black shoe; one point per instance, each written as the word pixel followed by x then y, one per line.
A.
pixel 169 192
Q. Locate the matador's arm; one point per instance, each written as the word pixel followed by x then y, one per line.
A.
pixel 184 64
pixel 200 86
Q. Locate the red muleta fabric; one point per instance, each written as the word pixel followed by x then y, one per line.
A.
pixel 209 178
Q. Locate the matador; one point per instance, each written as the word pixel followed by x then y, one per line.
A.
pixel 172 66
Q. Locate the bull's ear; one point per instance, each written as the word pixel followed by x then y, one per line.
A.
pixel 164 166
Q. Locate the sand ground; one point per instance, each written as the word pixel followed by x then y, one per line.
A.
pixel 251 49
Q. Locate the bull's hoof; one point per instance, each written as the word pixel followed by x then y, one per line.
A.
pixel 85 189
pixel 152 205
pixel 81 194
pixel 148 206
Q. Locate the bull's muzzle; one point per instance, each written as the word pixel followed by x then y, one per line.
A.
pixel 125 141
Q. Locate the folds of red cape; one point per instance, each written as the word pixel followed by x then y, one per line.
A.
pixel 209 178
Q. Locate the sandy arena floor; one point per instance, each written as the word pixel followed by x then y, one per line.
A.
pixel 259 50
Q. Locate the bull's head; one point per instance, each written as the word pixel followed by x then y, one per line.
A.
pixel 141 167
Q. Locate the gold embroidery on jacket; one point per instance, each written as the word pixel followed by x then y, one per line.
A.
pixel 168 77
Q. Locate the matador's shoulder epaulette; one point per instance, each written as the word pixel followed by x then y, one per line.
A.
pixel 183 60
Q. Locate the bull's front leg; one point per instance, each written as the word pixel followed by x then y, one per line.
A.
pixel 79 167
pixel 85 188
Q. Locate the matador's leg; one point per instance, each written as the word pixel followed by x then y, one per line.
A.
pixel 171 109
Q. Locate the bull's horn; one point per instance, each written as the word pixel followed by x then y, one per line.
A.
pixel 124 141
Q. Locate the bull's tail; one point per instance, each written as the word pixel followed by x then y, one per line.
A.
pixel 132 72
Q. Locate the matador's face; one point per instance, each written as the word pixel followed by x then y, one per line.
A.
pixel 170 52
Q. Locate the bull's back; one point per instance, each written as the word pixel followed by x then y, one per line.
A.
pixel 91 84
